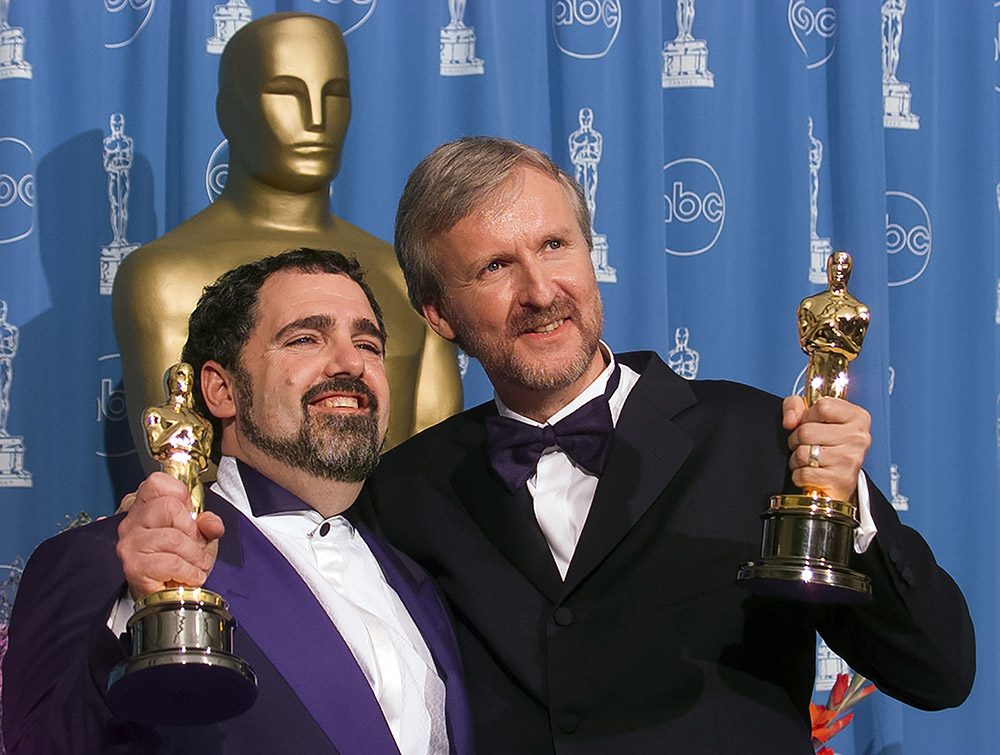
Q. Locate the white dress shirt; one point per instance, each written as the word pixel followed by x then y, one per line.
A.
pixel 563 492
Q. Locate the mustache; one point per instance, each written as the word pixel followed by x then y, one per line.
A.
pixel 341 385
pixel 532 319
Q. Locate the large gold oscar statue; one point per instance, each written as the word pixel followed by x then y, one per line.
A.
pixel 284 105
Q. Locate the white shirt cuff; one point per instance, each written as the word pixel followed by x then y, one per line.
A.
pixel 121 612
pixel 866 531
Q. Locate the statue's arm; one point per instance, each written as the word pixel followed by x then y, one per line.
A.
pixel 807 323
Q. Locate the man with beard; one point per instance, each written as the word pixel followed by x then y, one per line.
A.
pixel 349 639
pixel 588 523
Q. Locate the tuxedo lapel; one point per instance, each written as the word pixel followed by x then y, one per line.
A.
pixel 278 611
pixel 646 453
pixel 508 520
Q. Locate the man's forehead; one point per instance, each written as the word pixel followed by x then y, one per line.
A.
pixel 292 294
pixel 498 202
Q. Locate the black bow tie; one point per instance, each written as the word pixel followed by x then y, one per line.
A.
pixel 514 447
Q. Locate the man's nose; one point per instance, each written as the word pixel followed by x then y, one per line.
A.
pixel 344 358
pixel 536 287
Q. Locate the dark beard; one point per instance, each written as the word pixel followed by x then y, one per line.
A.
pixel 340 448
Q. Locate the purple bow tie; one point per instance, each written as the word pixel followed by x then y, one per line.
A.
pixel 514 447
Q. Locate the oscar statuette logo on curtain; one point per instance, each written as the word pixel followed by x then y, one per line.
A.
pixel 12 471
pixel 896 95
pixel 819 246
pixel 118 155
pixel 12 44
pixel 685 59
pixel 682 359
pixel 458 44
pixel 586 145
pixel 227 19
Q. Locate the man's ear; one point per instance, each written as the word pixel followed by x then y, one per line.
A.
pixel 217 390
pixel 438 322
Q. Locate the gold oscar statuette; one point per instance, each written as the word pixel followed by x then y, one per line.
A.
pixel 181 669
pixel 808 537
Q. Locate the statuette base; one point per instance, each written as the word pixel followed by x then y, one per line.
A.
pixel 599 256
pixel 458 52
pixel 685 64
pixel 896 99
pixel 182 670
pixel 12 471
pixel 806 543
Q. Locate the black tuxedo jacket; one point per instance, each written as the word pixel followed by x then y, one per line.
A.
pixel 650 645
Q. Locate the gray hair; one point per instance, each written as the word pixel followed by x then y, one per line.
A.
pixel 449 184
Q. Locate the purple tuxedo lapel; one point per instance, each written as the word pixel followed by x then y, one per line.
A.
pixel 427 610
pixel 277 610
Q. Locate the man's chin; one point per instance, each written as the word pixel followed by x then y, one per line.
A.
pixel 547 369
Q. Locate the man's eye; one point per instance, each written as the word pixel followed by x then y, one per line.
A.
pixel 554 244
pixel 301 341
pixel 492 266
pixel 374 348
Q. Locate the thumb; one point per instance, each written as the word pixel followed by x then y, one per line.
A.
pixel 792 409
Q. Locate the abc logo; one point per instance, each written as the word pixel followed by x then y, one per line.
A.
pixel 217 171
pixel 115 438
pixel 694 206
pixel 349 14
pixel 128 18
pixel 110 402
pixel 17 190
pixel 814 27
pixel 907 237
pixel 586 28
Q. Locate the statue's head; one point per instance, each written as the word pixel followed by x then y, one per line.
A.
pixel 179 380
pixel 3 310
pixel 586 117
pixel 839 268
pixel 284 100
pixel 117 123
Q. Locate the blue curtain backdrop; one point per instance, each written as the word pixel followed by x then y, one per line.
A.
pixel 735 143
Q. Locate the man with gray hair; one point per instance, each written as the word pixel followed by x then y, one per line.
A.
pixel 587 524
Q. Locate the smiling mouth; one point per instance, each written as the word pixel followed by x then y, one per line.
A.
pixel 341 395
pixel 341 401
pixel 548 327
